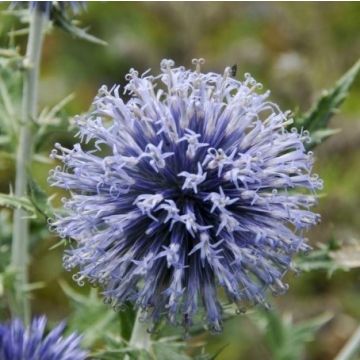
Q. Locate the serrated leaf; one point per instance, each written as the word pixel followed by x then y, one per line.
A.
pixel 90 316
pixel 318 117
pixel 61 20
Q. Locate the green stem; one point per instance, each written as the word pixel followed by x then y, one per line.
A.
pixel 20 241
pixel 140 337
pixel 351 347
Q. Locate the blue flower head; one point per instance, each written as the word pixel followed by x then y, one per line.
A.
pixel 192 183
pixel 20 343
pixel 47 6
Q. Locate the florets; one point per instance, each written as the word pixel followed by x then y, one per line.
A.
pixel 47 7
pixel 193 183
pixel 20 343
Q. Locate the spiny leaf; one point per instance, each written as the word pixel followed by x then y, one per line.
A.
pixel 330 257
pixel 164 348
pixel 285 339
pixel 317 118
pixel 51 121
pixel 14 202
pixel 48 116
pixel 65 23
pixel 318 259
pixel 90 315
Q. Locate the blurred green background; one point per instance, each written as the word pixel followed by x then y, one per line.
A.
pixel 294 49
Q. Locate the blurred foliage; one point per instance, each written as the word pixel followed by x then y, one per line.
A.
pixel 295 49
pixel 5 240
pixel 90 316
pixel 11 201
pixel 331 256
pixel 286 340
pixel 10 97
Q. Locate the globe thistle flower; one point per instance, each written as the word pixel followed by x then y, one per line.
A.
pixel 31 343
pixel 47 6
pixel 192 183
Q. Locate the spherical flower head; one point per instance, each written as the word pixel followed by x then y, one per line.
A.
pixel 192 183
pixel 20 343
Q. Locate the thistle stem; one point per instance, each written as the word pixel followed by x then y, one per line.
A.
pixel 351 347
pixel 20 241
pixel 140 337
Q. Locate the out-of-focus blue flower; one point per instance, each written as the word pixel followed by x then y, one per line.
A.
pixel 193 182
pixel 47 6
pixel 20 343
